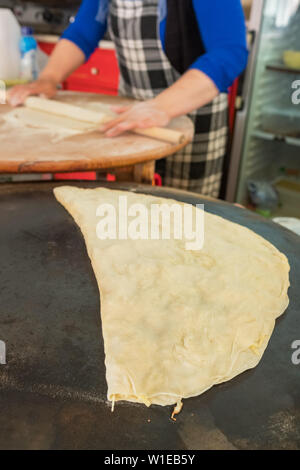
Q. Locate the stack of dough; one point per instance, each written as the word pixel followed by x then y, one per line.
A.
pixel 176 322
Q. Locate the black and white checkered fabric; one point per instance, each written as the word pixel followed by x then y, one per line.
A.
pixel 146 72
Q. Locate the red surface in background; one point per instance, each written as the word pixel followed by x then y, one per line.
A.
pixel 232 94
pixel 100 74
pixel 86 175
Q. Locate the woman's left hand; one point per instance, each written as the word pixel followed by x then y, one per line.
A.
pixel 141 115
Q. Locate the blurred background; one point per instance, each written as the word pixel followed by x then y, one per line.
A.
pixel 262 169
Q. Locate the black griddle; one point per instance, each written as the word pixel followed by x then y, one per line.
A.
pixel 53 388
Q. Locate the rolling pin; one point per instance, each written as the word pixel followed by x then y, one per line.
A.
pixel 98 118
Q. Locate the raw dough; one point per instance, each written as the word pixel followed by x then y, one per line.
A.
pixel 58 125
pixel 97 118
pixel 82 114
pixel 64 120
pixel 176 322
pixel 58 117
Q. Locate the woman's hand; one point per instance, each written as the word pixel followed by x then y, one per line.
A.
pixel 65 58
pixel 192 91
pixel 43 86
pixel 141 115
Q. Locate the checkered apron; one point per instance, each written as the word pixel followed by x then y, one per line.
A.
pixel 145 72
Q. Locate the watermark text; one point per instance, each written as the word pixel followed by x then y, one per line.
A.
pixel 296 93
pixel 296 354
pixel 2 92
pixel 157 222
pixel 2 353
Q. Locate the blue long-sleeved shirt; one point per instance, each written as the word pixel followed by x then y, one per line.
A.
pixel 221 25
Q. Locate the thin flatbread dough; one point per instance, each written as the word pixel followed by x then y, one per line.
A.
pixel 59 126
pixel 65 120
pixel 69 111
pixel 61 119
pixel 176 322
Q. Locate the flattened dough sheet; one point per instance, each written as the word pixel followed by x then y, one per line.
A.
pixel 59 126
pixel 176 322
pixel 64 120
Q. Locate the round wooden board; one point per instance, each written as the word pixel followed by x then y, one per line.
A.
pixel 30 150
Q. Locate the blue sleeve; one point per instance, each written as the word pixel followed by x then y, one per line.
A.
pixel 223 30
pixel 89 26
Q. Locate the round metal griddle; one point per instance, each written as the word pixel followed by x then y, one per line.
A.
pixel 53 388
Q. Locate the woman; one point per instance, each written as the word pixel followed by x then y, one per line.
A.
pixel 176 56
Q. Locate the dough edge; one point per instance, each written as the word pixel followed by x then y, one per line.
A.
pixel 163 398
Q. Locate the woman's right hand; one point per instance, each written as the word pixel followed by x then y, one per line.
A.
pixel 43 86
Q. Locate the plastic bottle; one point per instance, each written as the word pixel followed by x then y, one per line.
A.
pixel 28 49
pixel 264 196
pixel 10 33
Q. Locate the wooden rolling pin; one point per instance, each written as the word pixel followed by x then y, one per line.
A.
pixel 98 118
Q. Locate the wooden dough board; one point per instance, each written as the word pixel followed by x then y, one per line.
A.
pixel 25 150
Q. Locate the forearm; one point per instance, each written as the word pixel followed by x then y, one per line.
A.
pixel 65 58
pixel 192 91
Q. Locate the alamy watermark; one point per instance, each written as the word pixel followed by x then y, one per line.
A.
pixel 152 222
pixel 2 92
pixel 296 93
pixel 296 354
pixel 2 352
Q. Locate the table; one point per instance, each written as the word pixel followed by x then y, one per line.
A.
pixel 130 157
